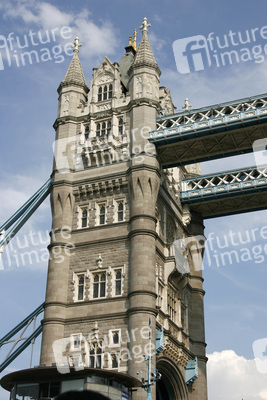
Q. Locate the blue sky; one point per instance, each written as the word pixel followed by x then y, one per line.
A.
pixel 235 300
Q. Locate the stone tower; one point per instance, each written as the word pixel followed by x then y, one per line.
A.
pixel 117 226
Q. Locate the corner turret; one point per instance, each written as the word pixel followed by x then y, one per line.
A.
pixel 73 89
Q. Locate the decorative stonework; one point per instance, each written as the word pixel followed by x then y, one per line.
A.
pixel 97 189
pixel 166 103
pixel 175 352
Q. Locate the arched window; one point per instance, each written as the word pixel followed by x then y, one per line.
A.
pixel 120 126
pixel 84 219
pixel 118 283
pixel 98 130
pixel 96 286
pixel 120 212
pixel 100 94
pixel 110 88
pixel 103 130
pixel 81 287
pixel 102 215
pixel 102 285
pixel 109 128
pixel 105 93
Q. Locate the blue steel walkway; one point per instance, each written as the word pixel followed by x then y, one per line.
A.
pixel 213 132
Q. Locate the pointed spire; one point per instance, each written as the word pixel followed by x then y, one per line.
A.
pixel 134 41
pixel 144 55
pixel 74 74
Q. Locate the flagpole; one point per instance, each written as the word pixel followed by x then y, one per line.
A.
pixel 148 397
pixel 150 378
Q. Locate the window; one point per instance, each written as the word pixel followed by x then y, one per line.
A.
pixel 98 130
pixel 103 129
pixel 78 281
pixel 100 94
pixel 115 338
pixel 76 341
pixel 109 128
pixel 120 126
pixel 160 295
pixel 96 356
pixel 84 218
pixel 102 214
pixel 172 303
pixel 99 289
pixel 120 211
pixel 110 91
pixel 105 94
pixel 80 287
pixel 114 361
pixel 118 283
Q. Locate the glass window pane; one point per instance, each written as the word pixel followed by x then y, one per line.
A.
pixel 98 362
pixel 95 295
pixel 105 94
pixel 118 275
pixel 102 289
pixel 80 292
pixel 100 94
pixel 114 362
pixel 102 215
pixel 27 391
pixel 118 287
pixel 115 338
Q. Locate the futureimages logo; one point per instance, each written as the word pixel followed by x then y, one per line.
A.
pixel 196 53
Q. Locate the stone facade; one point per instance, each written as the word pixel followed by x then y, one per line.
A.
pixel 116 219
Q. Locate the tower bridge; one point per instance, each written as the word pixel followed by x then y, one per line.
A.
pixel 119 284
pixel 208 133
pixel 226 193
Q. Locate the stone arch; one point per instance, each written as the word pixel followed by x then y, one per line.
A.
pixel 172 385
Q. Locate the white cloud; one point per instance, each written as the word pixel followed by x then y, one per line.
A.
pixel 98 38
pixel 43 14
pixel 233 377
pixel 15 191
pixel 214 86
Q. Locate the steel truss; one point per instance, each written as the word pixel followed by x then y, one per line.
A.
pixel 26 340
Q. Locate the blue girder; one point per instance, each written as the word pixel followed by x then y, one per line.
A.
pixel 254 181
pixel 17 220
pixel 187 124
pixel 27 341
